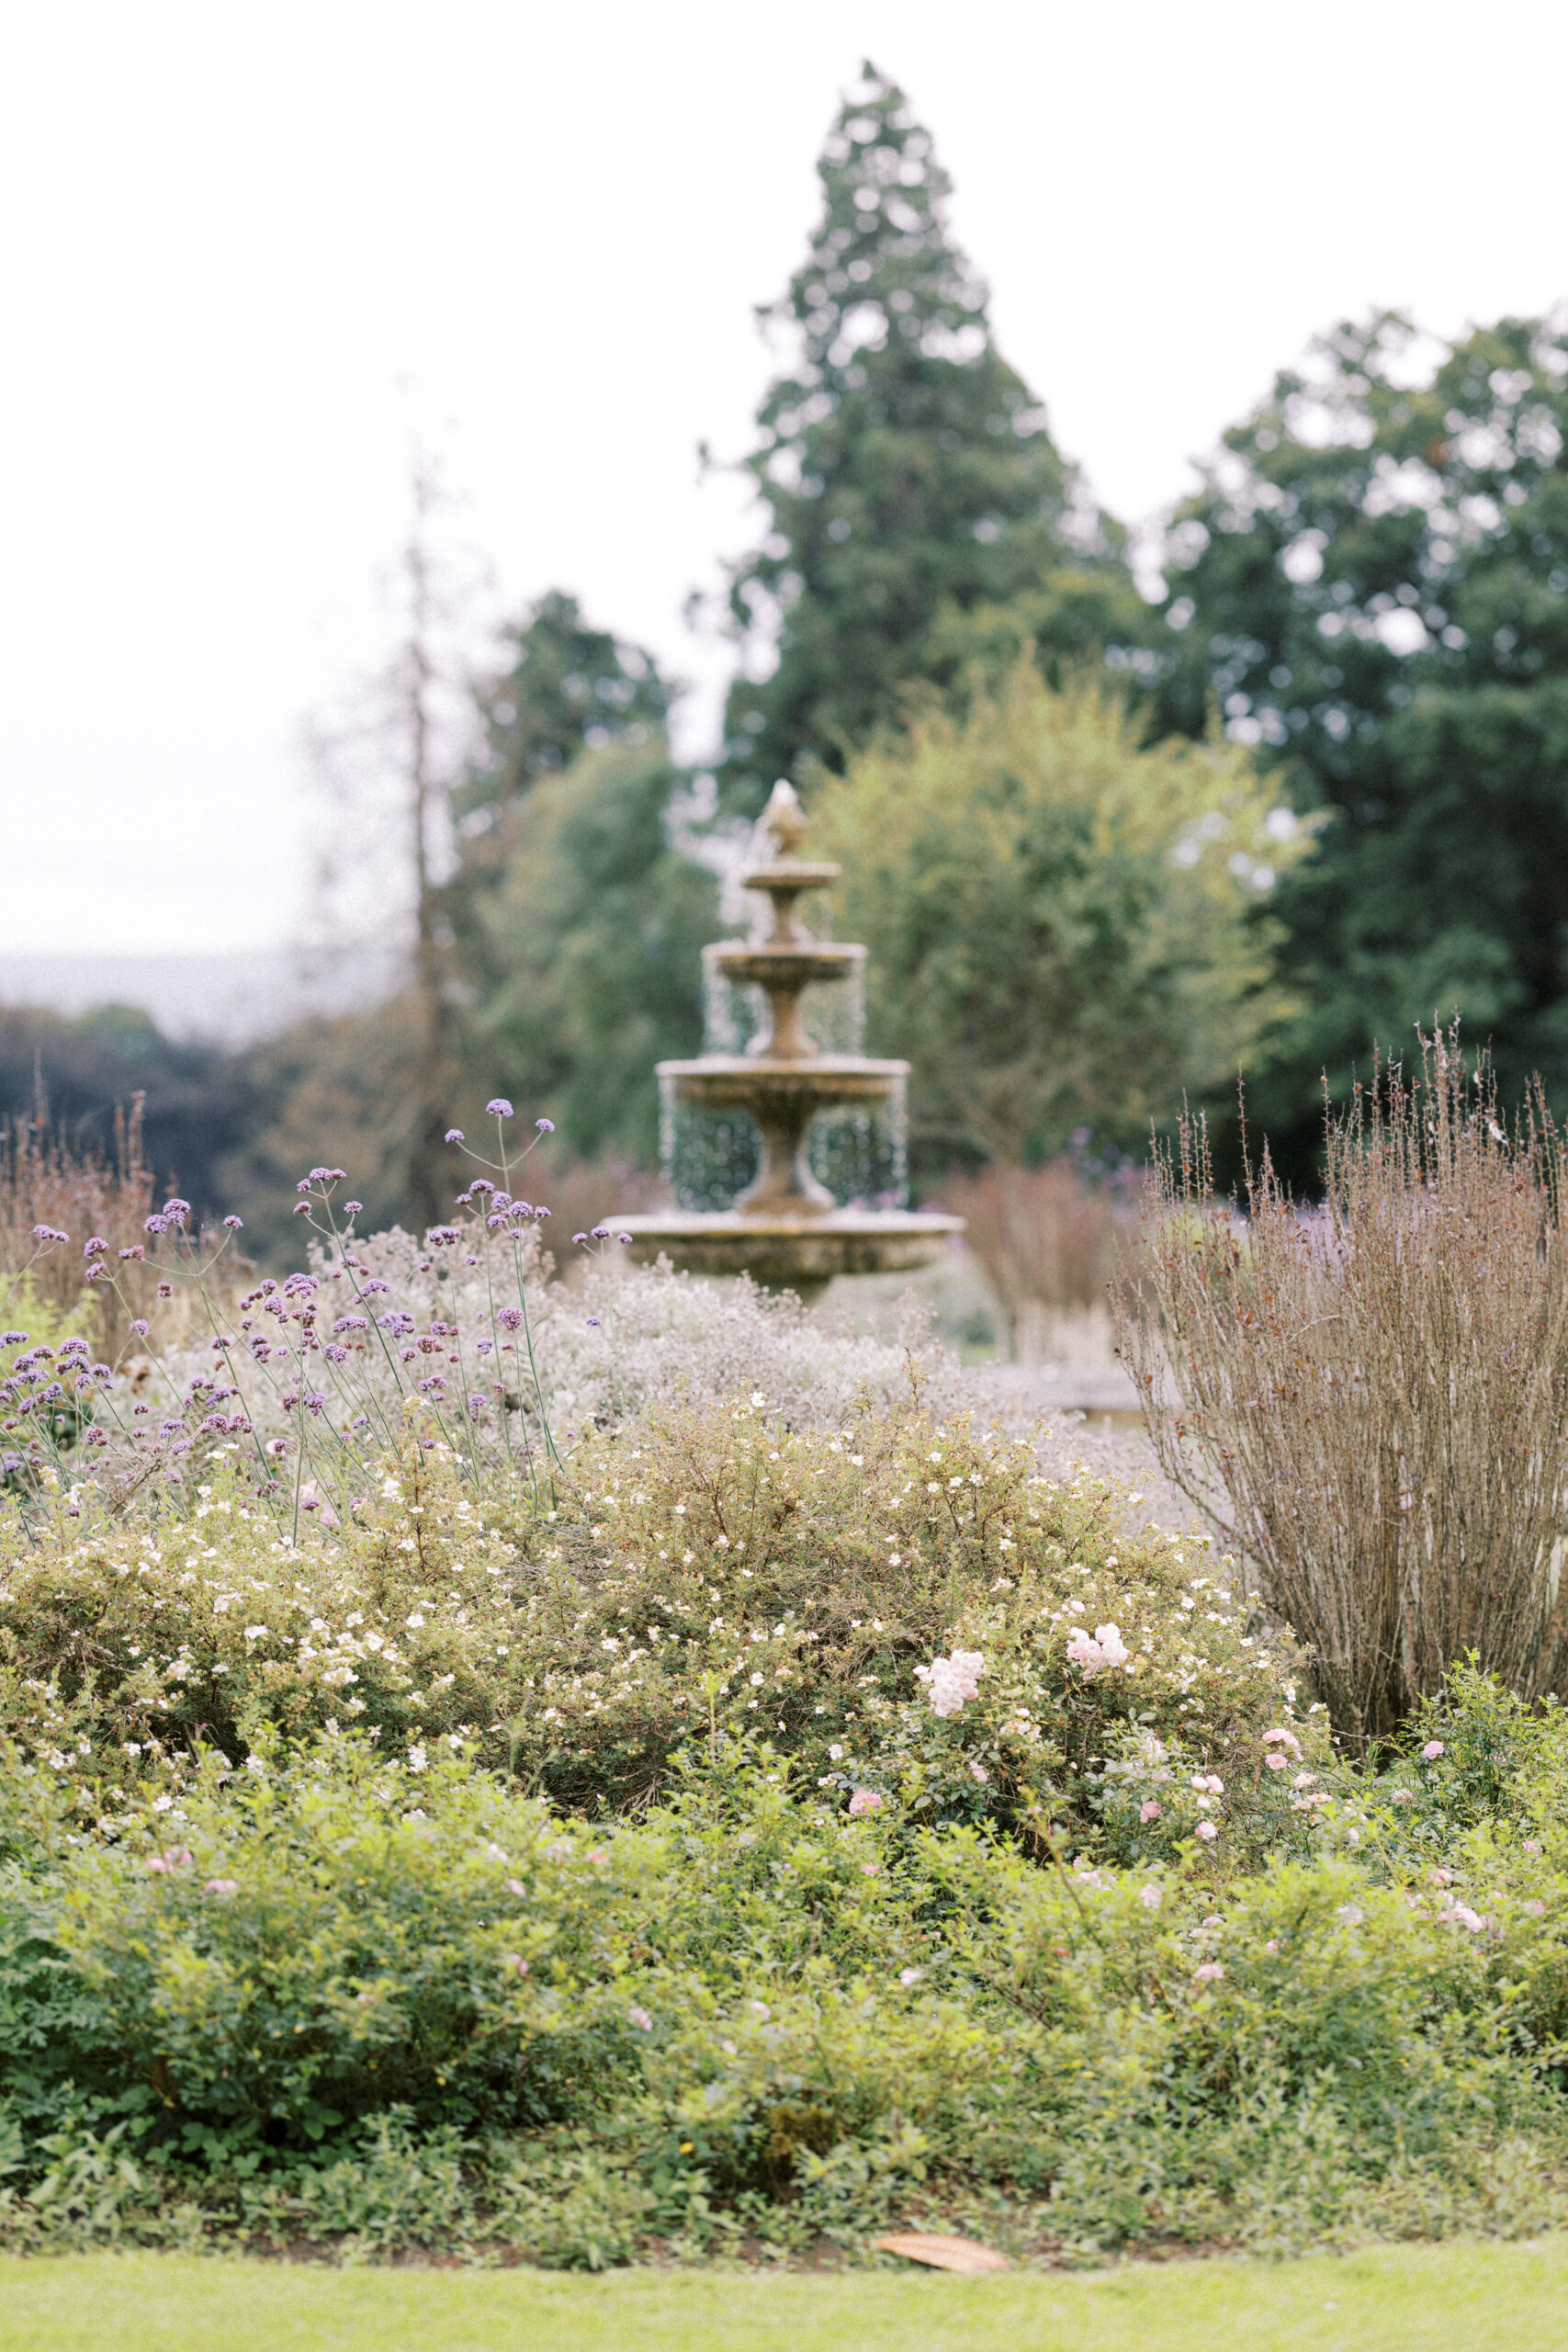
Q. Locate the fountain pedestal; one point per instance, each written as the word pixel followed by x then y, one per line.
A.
pixel 784 1229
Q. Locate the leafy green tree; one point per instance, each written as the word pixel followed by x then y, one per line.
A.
pixel 345 1092
pixel 596 927
pixel 907 469
pixel 564 688
pixel 1066 928
pixel 1372 582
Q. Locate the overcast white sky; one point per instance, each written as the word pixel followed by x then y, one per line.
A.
pixel 230 231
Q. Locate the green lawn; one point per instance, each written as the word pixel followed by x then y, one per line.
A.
pixel 1408 2299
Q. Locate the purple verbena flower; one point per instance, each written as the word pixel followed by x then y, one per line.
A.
pixel 233 1224
pixel 546 1127
pixel 454 1134
pixel 498 1107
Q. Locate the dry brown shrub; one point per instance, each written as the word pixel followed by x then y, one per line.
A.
pixel 44 1182
pixel 1045 1239
pixel 1370 1399
pixel 582 1194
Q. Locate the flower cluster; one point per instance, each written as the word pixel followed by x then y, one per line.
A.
pixel 950 1680
pixel 1105 1650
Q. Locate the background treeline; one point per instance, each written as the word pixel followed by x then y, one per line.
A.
pixel 1107 848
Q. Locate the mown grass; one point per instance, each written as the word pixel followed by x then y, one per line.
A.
pixel 1413 2297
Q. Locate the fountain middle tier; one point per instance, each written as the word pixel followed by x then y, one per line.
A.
pixel 782 1094
pixel 784 972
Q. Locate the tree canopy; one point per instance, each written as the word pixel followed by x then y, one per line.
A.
pixel 1064 927
pixel 563 687
pixel 596 932
pixel 907 470
pixel 1372 580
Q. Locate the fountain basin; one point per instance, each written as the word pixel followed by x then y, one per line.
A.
pixel 792 1252
pixel 793 967
pixel 751 1081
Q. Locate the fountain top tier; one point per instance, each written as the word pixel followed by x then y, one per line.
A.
pixel 785 1227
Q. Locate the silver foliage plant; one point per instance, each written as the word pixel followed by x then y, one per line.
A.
pixel 469 1334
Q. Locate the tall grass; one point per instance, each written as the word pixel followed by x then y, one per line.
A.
pixel 1047 1239
pixel 1370 1398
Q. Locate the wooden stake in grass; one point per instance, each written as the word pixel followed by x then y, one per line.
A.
pixel 943 2253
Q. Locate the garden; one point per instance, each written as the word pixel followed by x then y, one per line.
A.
pixel 581 1767
pixel 553 1791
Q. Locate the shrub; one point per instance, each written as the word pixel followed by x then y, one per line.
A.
pixel 341 1999
pixel 1064 924
pixel 1045 1238
pixel 709 1571
pixel 315 1373
pixel 1369 1401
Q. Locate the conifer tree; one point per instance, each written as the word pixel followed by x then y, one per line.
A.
pixel 909 470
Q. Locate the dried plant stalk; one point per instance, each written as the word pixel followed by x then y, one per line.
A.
pixel 1370 1399
pixel 1044 1238
pixel 44 1182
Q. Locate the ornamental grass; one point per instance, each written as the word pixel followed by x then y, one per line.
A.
pixel 1368 1400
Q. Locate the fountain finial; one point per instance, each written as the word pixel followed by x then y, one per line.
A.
pixel 783 819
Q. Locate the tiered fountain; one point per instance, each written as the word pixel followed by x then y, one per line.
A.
pixel 786 1228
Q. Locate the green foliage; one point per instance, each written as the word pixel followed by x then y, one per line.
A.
pixel 342 1090
pixel 725 1572
pixel 565 688
pixel 340 2000
pixel 907 471
pixel 1064 929
pixel 711 1574
pixel 593 930
pixel 1374 581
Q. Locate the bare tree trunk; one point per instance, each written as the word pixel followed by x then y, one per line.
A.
pixel 429 1110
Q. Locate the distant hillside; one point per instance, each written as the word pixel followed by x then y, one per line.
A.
pixel 227 1001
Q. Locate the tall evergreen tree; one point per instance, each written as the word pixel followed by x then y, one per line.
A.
pixel 1372 582
pixel 907 469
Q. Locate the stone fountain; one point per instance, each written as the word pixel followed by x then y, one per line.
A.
pixel 786 1228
